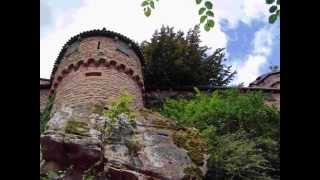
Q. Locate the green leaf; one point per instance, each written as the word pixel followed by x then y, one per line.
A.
pixel 278 12
pixel 273 8
pixel 269 1
pixel 210 23
pixel 210 13
pixel 152 4
pixel 198 1
pixel 273 18
pixel 147 12
pixel 278 2
pixel 203 18
pixel 201 10
pixel 144 3
pixel 207 27
pixel 208 4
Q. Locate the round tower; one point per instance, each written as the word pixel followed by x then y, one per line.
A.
pixel 95 66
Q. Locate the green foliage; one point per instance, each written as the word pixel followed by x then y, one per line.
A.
pixel 190 140
pixel 148 5
pixel 88 177
pixel 242 133
pixel 45 114
pixel 120 105
pixel 202 10
pixel 207 6
pixel 173 59
pixel 193 173
pixel 274 10
pixel 53 175
pixel 133 146
pixel 76 127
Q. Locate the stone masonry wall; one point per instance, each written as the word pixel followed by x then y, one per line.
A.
pixel 44 94
pixel 95 69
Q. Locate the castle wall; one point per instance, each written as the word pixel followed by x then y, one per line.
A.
pixel 77 88
pixel 155 99
pixel 44 94
pixel 95 69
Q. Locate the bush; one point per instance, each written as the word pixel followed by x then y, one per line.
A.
pixel 241 131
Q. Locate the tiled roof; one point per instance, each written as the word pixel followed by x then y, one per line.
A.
pixel 262 78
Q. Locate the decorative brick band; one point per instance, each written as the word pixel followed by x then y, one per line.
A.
pixel 100 62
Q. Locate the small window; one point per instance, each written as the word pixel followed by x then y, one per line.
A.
pixel 93 74
pixel 98 45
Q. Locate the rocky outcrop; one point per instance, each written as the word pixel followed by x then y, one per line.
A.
pixel 81 143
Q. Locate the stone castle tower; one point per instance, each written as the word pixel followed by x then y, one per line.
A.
pixel 95 66
pixel 92 68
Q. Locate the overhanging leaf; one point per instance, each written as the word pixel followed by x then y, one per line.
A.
pixel 269 1
pixel 147 12
pixel 273 8
pixel 210 23
pixel 152 4
pixel 203 18
pixel 272 18
pixel 208 4
pixel 201 10
pixel 210 13
pixel 207 27
pixel 198 1
pixel 144 3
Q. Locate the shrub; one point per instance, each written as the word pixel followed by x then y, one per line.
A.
pixel 241 131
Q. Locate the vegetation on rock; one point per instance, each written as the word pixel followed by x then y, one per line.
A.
pixel 45 114
pixel 190 140
pixel 242 133
pixel 76 127
pixel 120 105
pixel 173 59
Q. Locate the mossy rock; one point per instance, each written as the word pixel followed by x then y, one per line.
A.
pixel 193 143
pixel 77 127
pixel 193 173
pixel 98 109
pixel 133 146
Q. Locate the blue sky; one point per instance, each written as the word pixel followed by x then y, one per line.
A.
pixel 252 44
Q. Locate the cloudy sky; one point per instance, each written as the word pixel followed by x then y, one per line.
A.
pixel 252 45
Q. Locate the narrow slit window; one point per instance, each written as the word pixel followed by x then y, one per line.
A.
pixel 93 74
pixel 98 45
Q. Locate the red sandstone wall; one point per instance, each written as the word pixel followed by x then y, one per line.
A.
pixel 118 72
pixel 77 88
pixel 44 94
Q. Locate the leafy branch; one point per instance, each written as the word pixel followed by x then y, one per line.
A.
pixel 206 14
pixel 274 10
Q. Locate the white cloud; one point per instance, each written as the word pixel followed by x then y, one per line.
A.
pixel 127 17
pixel 250 69
pixel 245 11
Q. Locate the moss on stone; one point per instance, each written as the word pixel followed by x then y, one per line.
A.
pixel 193 173
pixel 98 109
pixel 77 127
pixel 192 142
pixel 133 146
